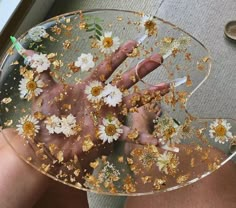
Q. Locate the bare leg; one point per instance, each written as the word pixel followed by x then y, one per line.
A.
pixel 216 190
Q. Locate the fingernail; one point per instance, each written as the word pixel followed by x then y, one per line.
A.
pixel 156 58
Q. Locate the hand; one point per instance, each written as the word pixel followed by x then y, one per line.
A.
pixel 63 100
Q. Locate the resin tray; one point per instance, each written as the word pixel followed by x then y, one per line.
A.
pixel 87 100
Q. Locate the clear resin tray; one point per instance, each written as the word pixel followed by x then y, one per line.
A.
pixel 99 100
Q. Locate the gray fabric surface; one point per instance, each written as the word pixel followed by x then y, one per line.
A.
pixel 203 19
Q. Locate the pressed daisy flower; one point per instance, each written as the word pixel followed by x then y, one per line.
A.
pixel 149 24
pixel 112 95
pixel 167 163
pixel 30 88
pixel 110 130
pixel 219 130
pixel 36 33
pixel 108 44
pixel 39 61
pixel 53 124
pixel 94 91
pixel 67 125
pixel 85 62
pixel 28 127
pixel 166 130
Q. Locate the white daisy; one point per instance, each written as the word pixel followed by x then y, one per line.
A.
pixel 112 95
pixel 167 162
pixel 108 44
pixel 39 61
pixel 94 91
pixel 85 62
pixel 68 124
pixel 53 124
pixel 28 127
pixel 30 88
pixel 219 130
pixel 149 25
pixel 110 130
pixel 36 33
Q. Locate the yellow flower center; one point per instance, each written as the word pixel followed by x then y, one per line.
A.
pixel 110 129
pixel 107 42
pixel 31 85
pixel 95 91
pixel 169 132
pixel 220 130
pixel 28 128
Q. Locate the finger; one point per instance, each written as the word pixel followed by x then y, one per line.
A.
pixel 107 67
pixel 132 76
pixel 143 97
pixel 129 135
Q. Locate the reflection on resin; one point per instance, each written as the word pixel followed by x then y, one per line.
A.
pixel 71 86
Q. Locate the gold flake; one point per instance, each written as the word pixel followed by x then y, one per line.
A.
pixel 121 159
pixel 38 115
pixel 77 172
pixel 168 40
pixel 29 159
pixel 76 159
pixel 205 59
pixel 200 67
pixel 192 163
pixel 57 30
pixel 45 167
pixel 67 44
pixel 6 100
pixel 15 63
pixel 70 167
pixel 83 25
pixel 52 39
pixel 60 156
pixel 188 56
pixel 57 64
pixel 119 18
pixel 52 56
pixel 134 53
pixel 67 20
pixel 52 148
pixel 133 134
pixel 94 164
pixel 130 161
pixel 8 123
pixel 146 179
pixel 189 82
pixel 78 185
pixel 158 183
pixel 129 186
pixel 87 144
pixel 182 178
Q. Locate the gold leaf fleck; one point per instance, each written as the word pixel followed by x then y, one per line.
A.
pixel 6 100
pixel 8 123
pixel 87 144
pixel 94 164
pixel 60 156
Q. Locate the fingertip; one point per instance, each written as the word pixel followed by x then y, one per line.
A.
pixel 129 46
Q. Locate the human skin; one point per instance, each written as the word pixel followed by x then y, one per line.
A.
pixel 214 191
pixel 21 185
